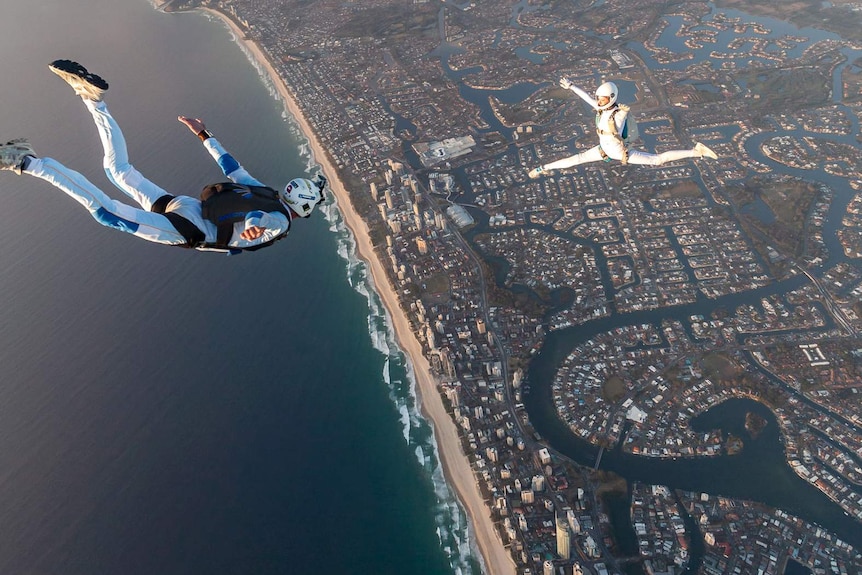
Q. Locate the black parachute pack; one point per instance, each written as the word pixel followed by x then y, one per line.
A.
pixel 226 203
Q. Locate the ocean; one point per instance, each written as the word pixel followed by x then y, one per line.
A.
pixel 167 411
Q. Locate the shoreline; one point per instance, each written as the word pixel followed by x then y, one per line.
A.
pixel 456 466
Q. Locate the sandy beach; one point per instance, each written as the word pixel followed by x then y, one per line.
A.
pixel 456 466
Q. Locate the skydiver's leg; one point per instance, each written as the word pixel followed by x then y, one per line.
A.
pixel 591 155
pixel 116 161
pixel 647 159
pixel 108 212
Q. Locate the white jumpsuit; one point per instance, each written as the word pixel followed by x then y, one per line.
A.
pixel 612 146
pixel 143 223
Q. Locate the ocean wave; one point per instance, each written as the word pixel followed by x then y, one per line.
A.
pixel 456 539
pixel 453 530
pixel 262 72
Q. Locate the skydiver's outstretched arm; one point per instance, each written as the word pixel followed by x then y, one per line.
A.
pixel 567 84
pixel 228 164
pixel 256 223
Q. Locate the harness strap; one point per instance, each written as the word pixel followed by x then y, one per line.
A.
pixel 224 232
pixel 611 124
pixel 193 236
pixel 160 205
pixel 615 133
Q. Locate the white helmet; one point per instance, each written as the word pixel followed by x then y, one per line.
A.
pixel 302 195
pixel 608 89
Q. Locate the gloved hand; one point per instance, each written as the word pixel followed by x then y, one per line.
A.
pixel 196 125
pixel 566 84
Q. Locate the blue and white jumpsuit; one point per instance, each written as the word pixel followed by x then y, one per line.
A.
pixel 141 222
pixel 611 145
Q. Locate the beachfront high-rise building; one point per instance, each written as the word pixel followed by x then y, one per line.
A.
pixel 420 310
pixel 448 364
pixel 501 505
pixel 388 196
pixel 510 529
pixel 564 538
pixel 431 338
pixel 453 394
pixel 548 567
pixel 374 193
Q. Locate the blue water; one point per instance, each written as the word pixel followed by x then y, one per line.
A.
pixel 777 28
pixel 166 411
pixel 795 568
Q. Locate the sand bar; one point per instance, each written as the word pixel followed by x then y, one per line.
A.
pixel 456 466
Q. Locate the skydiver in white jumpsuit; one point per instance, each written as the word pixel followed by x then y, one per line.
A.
pixel 235 216
pixel 611 143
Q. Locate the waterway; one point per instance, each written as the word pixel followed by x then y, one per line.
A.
pixel 777 29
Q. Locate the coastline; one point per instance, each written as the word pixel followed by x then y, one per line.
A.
pixel 456 466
